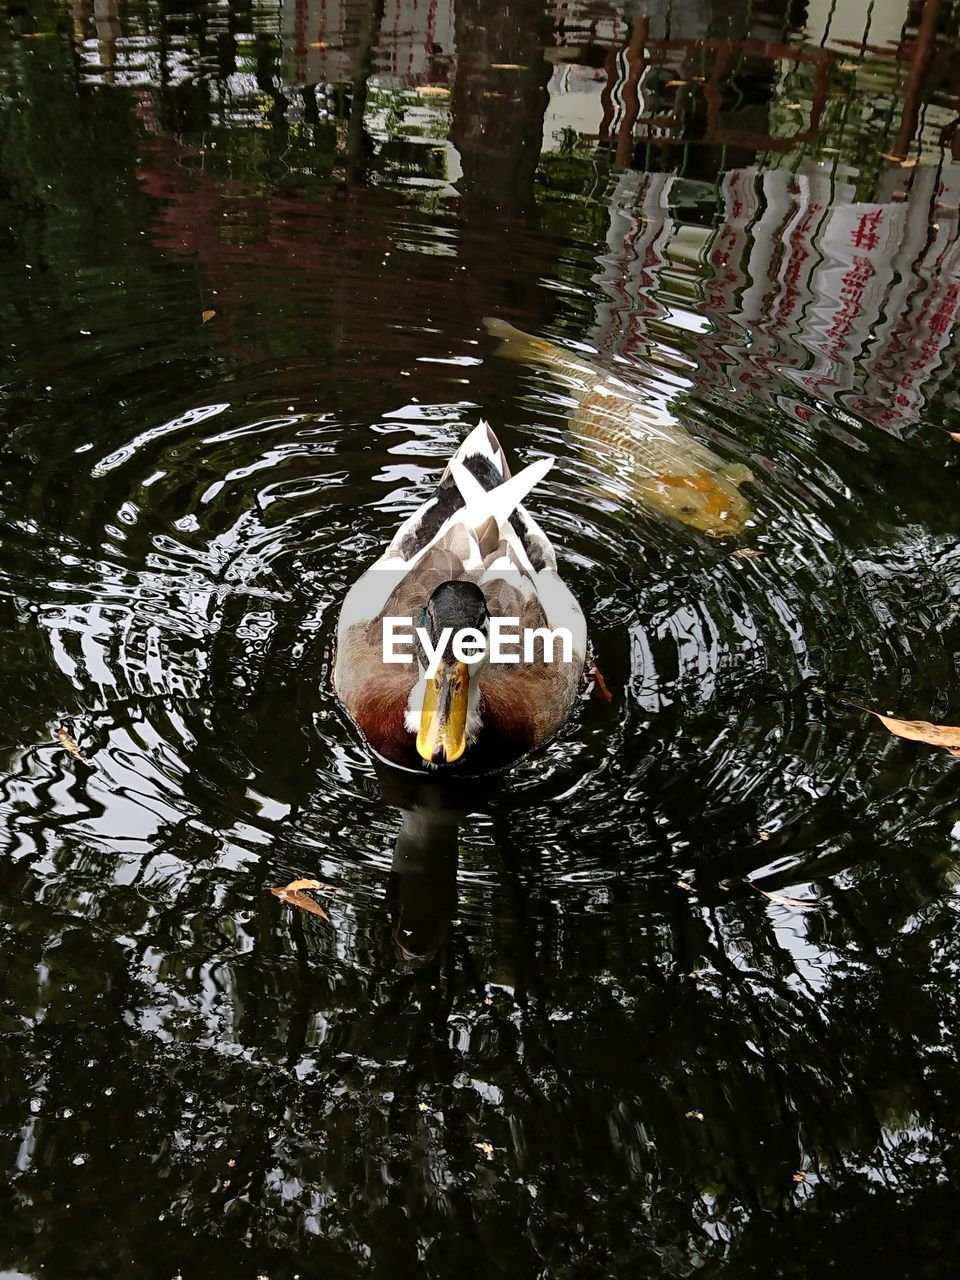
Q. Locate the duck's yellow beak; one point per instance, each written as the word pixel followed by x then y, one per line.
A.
pixel 443 720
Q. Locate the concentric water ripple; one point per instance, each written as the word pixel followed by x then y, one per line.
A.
pixel 245 278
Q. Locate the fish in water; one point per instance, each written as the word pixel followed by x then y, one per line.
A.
pixel 665 468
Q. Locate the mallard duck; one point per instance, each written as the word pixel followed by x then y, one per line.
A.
pixel 467 561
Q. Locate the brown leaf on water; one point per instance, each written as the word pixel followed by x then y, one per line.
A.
pixel 900 160
pixel 745 553
pixel 294 896
pixel 206 315
pixel 486 1148
pixel 800 1176
pixel 684 885
pixel 69 744
pixel 432 91
pixel 694 1115
pixel 802 904
pixel 934 735
pixel 954 435
pixel 600 689
pixel 507 66
pixel 676 84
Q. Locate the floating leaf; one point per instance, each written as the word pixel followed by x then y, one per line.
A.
pixel 954 435
pixel 432 91
pixel 507 66
pixel 800 1176
pixel 802 904
pixel 486 1148
pixel 684 885
pixel 745 553
pixel 694 1115
pixel 934 735
pixel 292 894
pixel 676 84
pixel 69 744
pixel 206 315
pixel 900 160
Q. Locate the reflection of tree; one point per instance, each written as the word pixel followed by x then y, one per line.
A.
pixel 499 100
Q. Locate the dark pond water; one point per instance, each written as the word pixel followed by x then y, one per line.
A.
pixel 246 253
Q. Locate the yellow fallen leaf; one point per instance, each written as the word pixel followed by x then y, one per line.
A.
pixel 934 735
pixel 684 885
pixel 800 1176
pixel 292 894
pixel 433 91
pixel 676 84
pixel 694 1115
pixel 486 1148
pixel 745 553
pixel 507 66
pixel 206 315
pixel 317 44
pixel 69 744
pixel 903 163
pixel 954 435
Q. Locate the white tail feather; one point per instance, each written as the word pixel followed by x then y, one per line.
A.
pixel 500 502
pixel 482 441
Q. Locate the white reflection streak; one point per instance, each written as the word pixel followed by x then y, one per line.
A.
pixel 188 419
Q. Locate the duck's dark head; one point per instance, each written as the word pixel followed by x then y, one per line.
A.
pixel 449 712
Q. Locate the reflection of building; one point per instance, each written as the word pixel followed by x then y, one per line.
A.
pixel 326 41
pixel 853 303
pixel 846 27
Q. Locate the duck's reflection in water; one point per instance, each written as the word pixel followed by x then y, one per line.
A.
pixel 422 889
